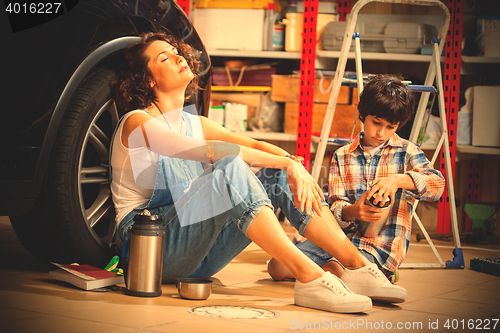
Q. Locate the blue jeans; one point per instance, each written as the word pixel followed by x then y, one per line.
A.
pixel 198 243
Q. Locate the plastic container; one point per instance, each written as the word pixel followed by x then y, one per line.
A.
pixel 488 36
pixel 293 32
pixel 291 7
pixel 392 37
pixel 406 37
pixel 273 30
pixel 294 23
pixel 372 36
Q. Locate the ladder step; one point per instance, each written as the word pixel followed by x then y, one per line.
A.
pixel 354 83
pixel 422 88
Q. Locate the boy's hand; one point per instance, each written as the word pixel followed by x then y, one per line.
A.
pixel 361 211
pixel 383 188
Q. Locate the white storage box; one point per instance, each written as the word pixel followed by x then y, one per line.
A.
pixel 488 38
pixel 230 29
pixel 486 116
pixel 392 37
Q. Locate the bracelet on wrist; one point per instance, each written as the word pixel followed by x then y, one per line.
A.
pixel 296 158
pixel 210 153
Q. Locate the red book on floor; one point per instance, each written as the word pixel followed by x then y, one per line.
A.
pixel 86 277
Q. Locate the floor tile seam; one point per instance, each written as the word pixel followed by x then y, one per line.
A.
pixel 260 289
pixel 62 315
pixel 457 289
pixel 97 304
pixel 243 322
pixel 232 284
pixel 36 314
pixel 245 281
pixel 66 317
pixel 438 283
pixel 447 315
pixel 465 301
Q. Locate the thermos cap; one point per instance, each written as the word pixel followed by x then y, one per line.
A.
pixel 146 217
pixel 380 204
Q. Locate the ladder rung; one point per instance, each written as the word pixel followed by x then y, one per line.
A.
pixel 354 83
pixel 422 88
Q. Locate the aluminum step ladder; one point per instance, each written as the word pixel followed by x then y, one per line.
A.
pixel 433 74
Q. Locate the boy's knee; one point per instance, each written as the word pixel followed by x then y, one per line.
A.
pixel 278 271
pixel 334 268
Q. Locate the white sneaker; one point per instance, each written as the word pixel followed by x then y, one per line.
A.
pixel 371 282
pixel 329 293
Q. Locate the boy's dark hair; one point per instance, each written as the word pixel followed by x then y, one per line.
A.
pixel 386 97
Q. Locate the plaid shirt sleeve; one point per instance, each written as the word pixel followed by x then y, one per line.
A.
pixel 428 181
pixel 338 198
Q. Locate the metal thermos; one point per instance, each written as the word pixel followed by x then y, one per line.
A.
pixel 373 229
pixel 146 255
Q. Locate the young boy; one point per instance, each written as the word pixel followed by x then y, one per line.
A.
pixel 377 163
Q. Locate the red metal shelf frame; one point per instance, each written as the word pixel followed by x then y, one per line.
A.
pixel 453 59
pixel 184 4
pixel 451 84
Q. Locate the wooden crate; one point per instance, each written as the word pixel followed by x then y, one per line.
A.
pixel 286 88
pixel 341 125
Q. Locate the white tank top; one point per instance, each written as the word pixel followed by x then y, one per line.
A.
pixel 126 193
pixel 132 187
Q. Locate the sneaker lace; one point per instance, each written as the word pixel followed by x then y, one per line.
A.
pixel 377 273
pixel 334 288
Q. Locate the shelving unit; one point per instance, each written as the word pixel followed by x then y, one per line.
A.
pixel 463 149
pixel 254 54
pixel 241 88
pixel 379 56
pixel 480 60
pixel 417 58
pixel 271 136
pixel 466 65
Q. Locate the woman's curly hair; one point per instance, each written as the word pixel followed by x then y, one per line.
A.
pixel 132 86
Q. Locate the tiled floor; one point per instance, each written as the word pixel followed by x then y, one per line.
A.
pixel 31 302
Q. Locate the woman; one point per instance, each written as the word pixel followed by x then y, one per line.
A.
pixel 196 175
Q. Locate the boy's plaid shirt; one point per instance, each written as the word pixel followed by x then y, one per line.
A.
pixel 353 169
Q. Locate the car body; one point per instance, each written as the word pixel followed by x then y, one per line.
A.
pixel 58 118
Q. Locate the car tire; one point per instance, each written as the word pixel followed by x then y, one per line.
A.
pixel 73 219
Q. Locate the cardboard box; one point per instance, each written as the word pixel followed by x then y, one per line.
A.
pixel 251 99
pixel 230 29
pixel 243 76
pixel 247 4
pixel 486 116
pixel 341 125
pixel 286 88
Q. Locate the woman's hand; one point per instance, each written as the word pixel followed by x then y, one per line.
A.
pixel 361 211
pixel 307 194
